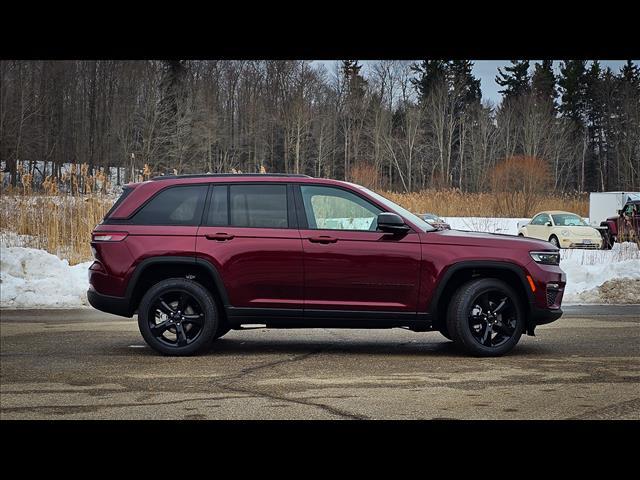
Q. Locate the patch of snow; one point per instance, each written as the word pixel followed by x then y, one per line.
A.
pixel 592 275
pixel 32 278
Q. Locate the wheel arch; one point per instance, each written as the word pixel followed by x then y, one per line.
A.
pixel 154 269
pixel 461 272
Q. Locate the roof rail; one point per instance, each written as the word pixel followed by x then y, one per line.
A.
pixel 198 175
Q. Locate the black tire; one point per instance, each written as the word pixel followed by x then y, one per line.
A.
pixel 445 333
pixel 221 332
pixel 554 240
pixel 182 308
pixel 466 307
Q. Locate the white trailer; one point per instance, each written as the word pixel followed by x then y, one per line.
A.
pixel 603 205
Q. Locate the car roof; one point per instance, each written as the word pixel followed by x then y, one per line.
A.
pixel 554 212
pixel 145 190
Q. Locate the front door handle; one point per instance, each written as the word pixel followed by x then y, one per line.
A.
pixel 323 239
pixel 221 237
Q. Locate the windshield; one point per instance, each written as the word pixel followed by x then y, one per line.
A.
pixel 568 220
pixel 417 221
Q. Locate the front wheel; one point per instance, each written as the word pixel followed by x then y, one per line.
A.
pixel 485 317
pixel 178 316
pixel 554 241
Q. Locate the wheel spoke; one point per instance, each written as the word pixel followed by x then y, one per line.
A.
pixel 182 303
pixel 501 306
pixel 483 300
pixel 503 329
pixel 182 336
pixel 164 307
pixel 486 336
pixel 196 318
pixel 158 329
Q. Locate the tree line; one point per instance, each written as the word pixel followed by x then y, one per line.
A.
pixel 399 125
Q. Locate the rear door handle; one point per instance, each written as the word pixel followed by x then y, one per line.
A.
pixel 323 239
pixel 221 237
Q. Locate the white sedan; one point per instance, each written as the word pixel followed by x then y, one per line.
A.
pixel 563 229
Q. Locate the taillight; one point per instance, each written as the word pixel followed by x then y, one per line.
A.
pixel 109 236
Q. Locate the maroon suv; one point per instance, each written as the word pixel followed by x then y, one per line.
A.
pixel 198 255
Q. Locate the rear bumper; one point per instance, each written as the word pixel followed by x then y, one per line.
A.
pixel 106 303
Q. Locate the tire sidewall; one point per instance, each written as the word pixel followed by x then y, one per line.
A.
pixel 458 321
pixel 211 318
pixel 556 243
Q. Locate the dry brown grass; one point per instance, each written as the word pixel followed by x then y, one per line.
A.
pixel 62 223
pixel 454 203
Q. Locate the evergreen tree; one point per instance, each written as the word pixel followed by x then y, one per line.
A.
pixel 353 78
pixel 515 79
pixel 573 86
pixel 463 84
pixel 543 84
pixel 429 74
pixel 630 73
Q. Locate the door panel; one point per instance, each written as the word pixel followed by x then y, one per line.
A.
pixel 246 236
pixel 348 264
pixel 361 271
pixel 260 267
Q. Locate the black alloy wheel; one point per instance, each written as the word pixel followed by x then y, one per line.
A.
pixel 178 316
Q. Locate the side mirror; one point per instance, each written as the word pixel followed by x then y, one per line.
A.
pixel 391 223
pixel 548 224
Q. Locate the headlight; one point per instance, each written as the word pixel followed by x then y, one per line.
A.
pixel 548 258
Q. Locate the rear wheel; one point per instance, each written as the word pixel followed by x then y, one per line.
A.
pixel 485 317
pixel 178 316
pixel 444 331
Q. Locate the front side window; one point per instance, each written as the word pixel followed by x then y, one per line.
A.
pixel 258 206
pixel 336 209
pixel 174 206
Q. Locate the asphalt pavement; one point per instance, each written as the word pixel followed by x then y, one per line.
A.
pixel 83 364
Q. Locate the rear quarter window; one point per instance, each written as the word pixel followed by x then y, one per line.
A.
pixel 181 205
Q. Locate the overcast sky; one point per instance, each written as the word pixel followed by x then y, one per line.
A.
pixel 486 71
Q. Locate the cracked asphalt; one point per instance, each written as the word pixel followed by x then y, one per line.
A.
pixel 83 364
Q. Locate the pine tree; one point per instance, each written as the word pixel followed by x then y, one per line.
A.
pixel 543 84
pixel 463 84
pixel 430 73
pixel 515 79
pixel 354 80
pixel 573 85
pixel 630 73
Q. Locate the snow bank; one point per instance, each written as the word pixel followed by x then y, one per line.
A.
pixel 602 276
pixel 32 278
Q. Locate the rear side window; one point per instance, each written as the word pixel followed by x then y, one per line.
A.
pixel 174 206
pixel 258 206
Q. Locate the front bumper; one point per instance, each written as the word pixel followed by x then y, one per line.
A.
pixel 542 316
pixel 586 243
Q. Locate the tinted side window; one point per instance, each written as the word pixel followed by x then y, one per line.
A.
pixel 174 206
pixel 259 206
pixel 218 207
